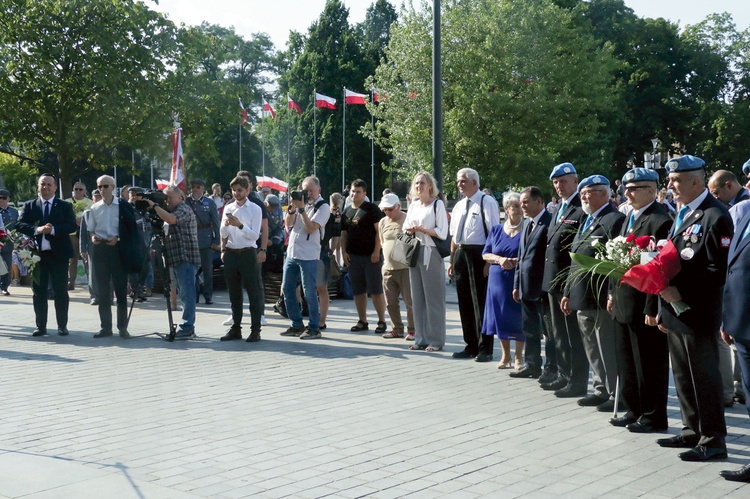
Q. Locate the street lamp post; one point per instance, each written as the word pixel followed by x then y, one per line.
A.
pixel 437 99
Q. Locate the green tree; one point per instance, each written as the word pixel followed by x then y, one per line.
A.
pixel 82 79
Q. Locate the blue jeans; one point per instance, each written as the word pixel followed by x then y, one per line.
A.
pixel 309 270
pixel 185 273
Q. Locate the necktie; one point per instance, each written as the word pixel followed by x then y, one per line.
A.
pixel 46 212
pixel 680 217
pixel 462 222
pixel 631 220
pixel 586 225
pixel 528 230
pixel 562 210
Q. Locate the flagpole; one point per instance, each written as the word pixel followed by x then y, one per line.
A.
pixel 262 134
pixel 240 142
pixel 288 146
pixel 315 133
pixel 372 147
pixel 343 148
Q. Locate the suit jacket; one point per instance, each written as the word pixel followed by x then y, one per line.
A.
pixel 736 308
pixel 530 268
pixel 703 273
pixel 9 219
pixel 589 292
pixel 130 247
pixel 61 217
pixel 559 238
pixel 630 305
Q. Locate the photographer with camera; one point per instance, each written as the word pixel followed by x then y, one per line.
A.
pixel 183 256
pixel 305 219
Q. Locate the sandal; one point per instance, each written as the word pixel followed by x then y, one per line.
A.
pixel 323 327
pixel 504 365
pixel 381 328
pixel 418 347
pixel 360 326
pixel 433 349
pixel 392 334
pixel 409 337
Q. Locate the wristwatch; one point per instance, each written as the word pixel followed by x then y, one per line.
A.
pixel 242 226
pixel 264 250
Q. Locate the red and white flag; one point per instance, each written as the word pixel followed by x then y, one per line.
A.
pixel 178 175
pixel 243 113
pixel 354 98
pixel 324 101
pixel 294 105
pixel 376 95
pixel 161 183
pixel 269 109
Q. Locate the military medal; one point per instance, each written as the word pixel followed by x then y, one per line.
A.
pixel 687 253
pixel 693 239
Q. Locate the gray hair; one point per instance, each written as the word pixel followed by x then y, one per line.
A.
pixel 510 197
pixel 469 173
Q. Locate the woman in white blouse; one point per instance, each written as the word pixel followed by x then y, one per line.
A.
pixel 427 218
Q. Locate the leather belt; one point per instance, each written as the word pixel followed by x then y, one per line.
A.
pixel 204 226
pixel 239 250
pixel 471 246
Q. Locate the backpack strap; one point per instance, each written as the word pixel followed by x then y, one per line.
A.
pixel 315 210
pixel 484 220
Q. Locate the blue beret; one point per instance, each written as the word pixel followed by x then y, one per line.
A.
pixel 562 169
pixel 640 175
pixel 593 180
pixel 686 163
pixel 746 168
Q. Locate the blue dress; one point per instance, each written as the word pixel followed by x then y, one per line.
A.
pixel 502 315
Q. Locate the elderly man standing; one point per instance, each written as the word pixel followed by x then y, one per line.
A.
pixel 50 220
pixel 473 217
pixel 572 366
pixel 207 218
pixel 642 353
pixel 116 252
pixel 702 234
pixel 8 219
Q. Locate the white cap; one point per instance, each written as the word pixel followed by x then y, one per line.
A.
pixel 389 201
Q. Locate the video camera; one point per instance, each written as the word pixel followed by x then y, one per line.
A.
pixel 298 196
pixel 159 199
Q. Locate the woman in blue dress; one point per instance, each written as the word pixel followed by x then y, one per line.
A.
pixel 502 315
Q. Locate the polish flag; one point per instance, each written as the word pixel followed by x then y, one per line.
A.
pixel 293 105
pixel 243 113
pixel 324 101
pixel 376 96
pixel 267 108
pixel 354 98
pixel 178 175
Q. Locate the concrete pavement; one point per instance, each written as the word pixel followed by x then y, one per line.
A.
pixel 350 415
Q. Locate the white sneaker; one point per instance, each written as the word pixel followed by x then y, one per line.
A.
pixel 228 322
pixel 263 321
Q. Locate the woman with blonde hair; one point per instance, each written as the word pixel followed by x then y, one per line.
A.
pixel 425 219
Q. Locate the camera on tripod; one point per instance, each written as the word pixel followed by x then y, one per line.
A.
pixel 298 196
pixel 158 198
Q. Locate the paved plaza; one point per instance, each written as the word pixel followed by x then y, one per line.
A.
pixel 350 415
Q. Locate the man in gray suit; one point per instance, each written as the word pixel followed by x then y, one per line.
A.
pixel 207 218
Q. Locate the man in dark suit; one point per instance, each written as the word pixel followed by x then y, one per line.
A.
pixel 702 233
pixel 642 352
pixel 527 285
pixel 50 220
pixel 736 317
pixel 587 294
pixel 572 366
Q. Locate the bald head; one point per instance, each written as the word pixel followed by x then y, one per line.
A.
pixel 724 186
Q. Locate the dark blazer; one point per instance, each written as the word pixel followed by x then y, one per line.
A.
pixel 589 292
pixel 130 246
pixel 736 311
pixel 702 276
pixel 559 238
pixel 61 217
pixel 530 268
pixel 630 305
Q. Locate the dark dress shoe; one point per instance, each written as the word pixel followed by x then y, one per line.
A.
pixel 525 372
pixel 741 475
pixel 62 331
pixel 703 453
pixel 592 400
pixel 232 334
pixel 40 331
pixel 463 354
pixel 609 406
pixel 570 392
pixel 253 337
pixel 547 376
pixel 209 301
pixel 558 384
pixel 124 334
pixel 623 421
pixel 679 441
pixel 483 357
pixel 641 427
pixel 103 334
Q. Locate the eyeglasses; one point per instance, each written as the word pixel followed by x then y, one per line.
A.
pixel 104 186
pixel 79 189
pixel 636 187
pixel 3 197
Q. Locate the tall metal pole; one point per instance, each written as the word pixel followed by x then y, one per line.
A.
pixel 240 142
pixel 132 160
pixel 343 148
pixel 372 150
pixel 437 98
pixel 315 133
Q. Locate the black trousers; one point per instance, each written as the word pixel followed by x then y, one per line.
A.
pixel 534 328
pixel 471 288
pixel 109 275
pixel 52 272
pixel 207 267
pixel 572 363
pixel 695 365
pixel 241 270
pixel 643 368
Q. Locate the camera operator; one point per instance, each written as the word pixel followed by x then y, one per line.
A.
pixel 181 243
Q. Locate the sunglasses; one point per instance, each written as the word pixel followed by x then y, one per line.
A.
pixel 3 197
pixel 79 189
pixel 104 186
pixel 636 187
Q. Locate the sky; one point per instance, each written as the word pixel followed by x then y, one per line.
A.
pixel 278 17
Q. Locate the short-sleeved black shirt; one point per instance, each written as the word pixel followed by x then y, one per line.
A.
pixel 359 224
